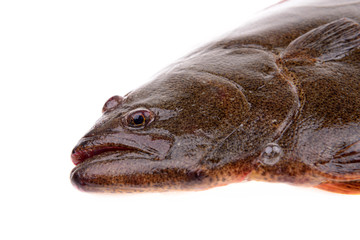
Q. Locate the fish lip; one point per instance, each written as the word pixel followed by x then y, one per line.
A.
pixel 80 154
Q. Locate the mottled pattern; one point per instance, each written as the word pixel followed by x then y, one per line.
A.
pixel 276 100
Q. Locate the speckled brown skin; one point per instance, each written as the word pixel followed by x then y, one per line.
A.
pixel 212 116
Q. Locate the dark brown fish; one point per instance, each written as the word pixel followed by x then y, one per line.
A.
pixel 276 100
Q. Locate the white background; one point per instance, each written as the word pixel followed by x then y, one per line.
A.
pixel 59 62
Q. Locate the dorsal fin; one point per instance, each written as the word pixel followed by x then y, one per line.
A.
pixel 330 41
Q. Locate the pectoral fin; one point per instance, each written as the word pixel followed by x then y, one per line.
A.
pixel 347 162
pixel 350 152
pixel 342 171
pixel 344 165
pixel 331 41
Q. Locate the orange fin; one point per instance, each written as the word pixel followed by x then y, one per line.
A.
pixel 351 187
pixel 328 42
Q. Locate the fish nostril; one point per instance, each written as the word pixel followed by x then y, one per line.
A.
pixel 112 103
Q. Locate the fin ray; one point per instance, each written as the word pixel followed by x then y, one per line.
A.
pixel 344 165
pixel 331 41
pixel 351 187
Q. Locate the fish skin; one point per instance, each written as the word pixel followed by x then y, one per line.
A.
pixel 276 100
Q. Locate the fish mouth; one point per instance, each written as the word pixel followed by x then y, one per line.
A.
pixel 80 155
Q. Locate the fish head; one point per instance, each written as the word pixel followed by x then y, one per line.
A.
pixel 202 122
pixel 159 136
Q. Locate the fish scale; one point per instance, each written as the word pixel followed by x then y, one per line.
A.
pixel 275 100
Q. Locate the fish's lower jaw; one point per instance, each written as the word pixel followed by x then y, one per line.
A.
pixel 128 184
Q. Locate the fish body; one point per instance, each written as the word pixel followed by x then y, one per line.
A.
pixel 275 100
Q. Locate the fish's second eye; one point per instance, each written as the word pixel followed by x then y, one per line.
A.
pixel 139 118
pixel 112 103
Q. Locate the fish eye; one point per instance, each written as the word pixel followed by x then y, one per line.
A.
pixel 139 118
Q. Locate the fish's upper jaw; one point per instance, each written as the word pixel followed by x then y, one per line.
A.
pixel 80 154
pixel 94 146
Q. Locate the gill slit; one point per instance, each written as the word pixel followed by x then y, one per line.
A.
pixel 299 100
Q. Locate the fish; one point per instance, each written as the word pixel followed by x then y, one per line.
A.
pixel 276 100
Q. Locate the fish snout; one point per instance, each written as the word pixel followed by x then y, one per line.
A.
pixel 156 146
pixel 84 151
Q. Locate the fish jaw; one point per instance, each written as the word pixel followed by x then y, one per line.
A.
pixel 131 171
pixel 123 168
pixel 127 171
pixel 125 164
pixel 79 155
pixel 95 179
pixel 103 156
